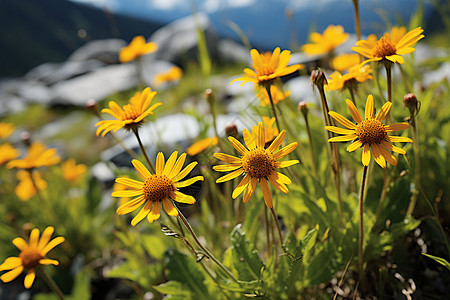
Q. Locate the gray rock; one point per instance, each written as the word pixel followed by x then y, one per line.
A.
pixel 51 73
pixel 34 92
pixel 443 73
pixel 96 85
pixel 178 40
pixel 230 51
pixel 106 51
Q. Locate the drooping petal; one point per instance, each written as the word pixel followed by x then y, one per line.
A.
pixel 251 187
pixel 276 182
pixel 143 212
pixel 130 205
pixel 141 169
pixel 396 127
pixel 266 192
pixel 230 176
pixel 10 263
pixel 169 207
pixel 391 147
pixel 377 155
pixel 354 146
pixel 388 156
pixel 284 164
pixel 398 139
pixel 343 120
pixel 366 155
pixel 29 279
pixel 241 186
pixel 11 275
pixel 155 212
pixel 182 198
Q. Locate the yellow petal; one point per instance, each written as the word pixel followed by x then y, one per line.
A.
pixel 130 205
pixel 369 107
pixel 11 275
pixel 169 207
pixel 52 244
pixel 130 182
pixel 46 261
pixel 397 127
pixel 155 212
pixel 141 169
pixel 182 198
pixel 228 158
pixel 20 243
pixel 230 176
pixel 287 163
pixel 388 156
pixel 143 212
pixel 339 130
pixel 266 192
pixel 227 168
pixel 10 263
pixel 170 163
pixel 398 139
pixel 353 111
pixel 178 166
pixel 384 111
pixel 277 142
pixel 285 151
pixel 354 146
pixel 251 187
pixel 188 182
pixel 127 193
pixel 366 155
pixel 237 145
pixel 392 147
pixel 45 238
pixel 341 119
pixel 377 155
pixel 344 138
pixel 159 163
pixel 241 186
pixel 185 172
pixel 29 279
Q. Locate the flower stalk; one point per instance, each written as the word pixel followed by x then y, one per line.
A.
pixel 141 146
pixel 361 220
pixel 273 107
pixel 51 283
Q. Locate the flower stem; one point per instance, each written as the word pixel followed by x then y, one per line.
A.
pixel 352 95
pixel 278 227
pixel 389 80
pixel 207 252
pixel 136 133
pixel 266 219
pixel 313 154
pixel 357 23
pixel 361 220
pixel 273 107
pixel 51 283
pixel 412 203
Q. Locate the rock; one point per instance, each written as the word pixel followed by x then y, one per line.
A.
pixel 301 89
pixel 106 51
pixel 10 102
pixel 51 73
pixel 34 92
pixel 96 85
pixel 443 73
pixel 178 41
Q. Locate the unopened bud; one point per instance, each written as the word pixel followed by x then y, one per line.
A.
pixel 410 101
pixel 91 105
pixel 318 78
pixel 26 138
pixel 303 107
pixel 209 94
pixel 231 130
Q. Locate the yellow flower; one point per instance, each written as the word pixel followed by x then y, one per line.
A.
pixel 332 37
pixel 370 133
pixel 73 172
pixel 277 95
pixel 157 188
pixel 131 116
pixel 257 163
pixel 172 74
pixel 38 156
pixel 344 62
pixel 6 129
pixel 7 153
pixel 136 48
pixel 202 145
pixel 390 47
pixel 26 189
pixel 121 187
pixel 355 75
pixel 270 131
pixel 268 67
pixel 31 255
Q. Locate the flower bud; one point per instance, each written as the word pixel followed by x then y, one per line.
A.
pixel 410 101
pixel 209 94
pixel 231 130
pixel 318 78
pixel 303 107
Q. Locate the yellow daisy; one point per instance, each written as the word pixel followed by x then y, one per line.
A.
pixel 31 255
pixel 73 172
pixel 7 153
pixel 26 188
pixel 370 133
pixel 355 75
pixel 202 145
pixel 6 129
pixel 136 48
pixel 332 37
pixel 268 67
pixel 257 163
pixel 38 156
pixel 390 47
pixel 277 95
pixel 344 62
pixel 131 116
pixel 157 188
pixel 173 74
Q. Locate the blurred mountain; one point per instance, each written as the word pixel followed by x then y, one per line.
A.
pixel 37 31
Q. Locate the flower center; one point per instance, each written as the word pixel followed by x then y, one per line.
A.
pixel 265 69
pixel 30 258
pixel 158 187
pixel 130 112
pixel 258 163
pixel 384 47
pixel 371 131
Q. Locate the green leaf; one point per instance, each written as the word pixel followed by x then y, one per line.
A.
pixel 154 246
pixel 440 260
pixel 184 269
pixel 173 288
pixel 246 259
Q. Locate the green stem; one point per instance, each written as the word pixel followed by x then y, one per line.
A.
pixel 273 107
pixel 352 95
pixel 357 22
pixel 389 80
pixel 207 252
pixel 266 219
pixel 51 283
pixel 136 133
pixel 313 154
pixel 361 220
pixel 412 203
pixel 278 227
